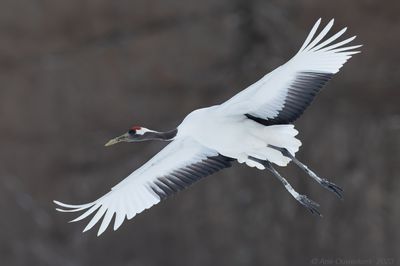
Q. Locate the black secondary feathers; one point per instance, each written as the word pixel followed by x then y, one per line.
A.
pixel 300 94
pixel 181 178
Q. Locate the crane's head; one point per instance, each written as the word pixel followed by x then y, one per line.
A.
pixel 135 133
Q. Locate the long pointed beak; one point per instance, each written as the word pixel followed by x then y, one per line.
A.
pixel 121 138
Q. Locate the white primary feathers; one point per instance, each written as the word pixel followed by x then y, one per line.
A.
pixel 253 127
pixel 177 166
pixel 294 84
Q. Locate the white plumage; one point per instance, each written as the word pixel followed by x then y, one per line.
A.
pixel 134 194
pixel 253 127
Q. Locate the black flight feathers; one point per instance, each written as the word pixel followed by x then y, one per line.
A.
pixel 299 96
pixel 181 178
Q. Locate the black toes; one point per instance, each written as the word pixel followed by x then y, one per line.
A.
pixel 332 187
pixel 312 206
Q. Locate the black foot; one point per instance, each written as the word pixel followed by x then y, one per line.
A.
pixel 309 204
pixel 333 188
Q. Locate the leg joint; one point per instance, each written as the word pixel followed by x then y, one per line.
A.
pixel 284 151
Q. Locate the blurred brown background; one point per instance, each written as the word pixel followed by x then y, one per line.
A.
pixel 75 73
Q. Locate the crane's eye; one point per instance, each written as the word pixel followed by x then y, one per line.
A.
pixel 132 132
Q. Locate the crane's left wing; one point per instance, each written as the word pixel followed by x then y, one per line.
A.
pixel 177 166
pixel 281 96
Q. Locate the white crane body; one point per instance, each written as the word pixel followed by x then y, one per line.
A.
pixel 254 127
pixel 238 137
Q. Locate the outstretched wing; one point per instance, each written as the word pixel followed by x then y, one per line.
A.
pixel 176 167
pixel 281 96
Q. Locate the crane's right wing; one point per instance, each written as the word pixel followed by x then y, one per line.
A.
pixel 281 96
pixel 178 165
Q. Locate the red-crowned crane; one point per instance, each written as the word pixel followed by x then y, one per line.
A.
pixel 253 127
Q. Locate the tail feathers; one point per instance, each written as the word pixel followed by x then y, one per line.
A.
pixel 279 136
pixel 283 136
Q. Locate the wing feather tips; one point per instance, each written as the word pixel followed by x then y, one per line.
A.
pixel 119 219
pixel 128 203
pixel 86 213
pixel 320 36
pixel 72 207
pixel 127 206
pixel 106 220
pixel 330 40
pixel 310 35
pixel 95 218
pixel 314 45
pixel 105 208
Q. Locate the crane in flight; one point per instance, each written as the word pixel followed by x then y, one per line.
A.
pixel 254 127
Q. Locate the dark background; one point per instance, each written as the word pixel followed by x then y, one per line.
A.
pixel 75 73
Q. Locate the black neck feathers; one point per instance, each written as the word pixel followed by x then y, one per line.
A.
pixel 154 135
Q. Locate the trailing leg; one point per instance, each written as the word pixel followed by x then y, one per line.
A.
pixel 306 202
pixel 323 182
